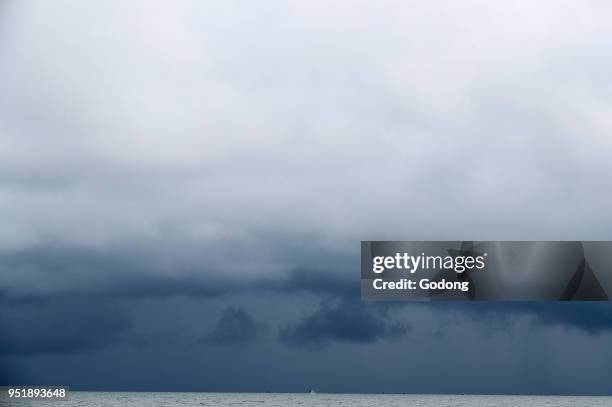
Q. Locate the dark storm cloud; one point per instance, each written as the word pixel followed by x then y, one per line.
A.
pixel 136 273
pixel 228 154
pixel 325 283
pixel 593 318
pixel 89 272
pixel 61 326
pixel 235 327
pixel 589 317
pixel 344 321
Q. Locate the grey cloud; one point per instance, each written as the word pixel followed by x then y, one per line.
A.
pixel 592 318
pixel 105 273
pixel 198 150
pixel 589 317
pixel 344 321
pixel 321 283
pixel 227 137
pixel 61 326
pixel 146 272
pixel 131 274
pixel 235 327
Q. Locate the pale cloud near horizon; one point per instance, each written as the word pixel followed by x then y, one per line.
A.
pixel 204 124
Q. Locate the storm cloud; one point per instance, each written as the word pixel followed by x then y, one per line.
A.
pixel 344 321
pixel 62 326
pixel 589 317
pixel 235 327
pixel 179 175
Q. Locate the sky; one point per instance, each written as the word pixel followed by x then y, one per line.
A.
pixel 184 187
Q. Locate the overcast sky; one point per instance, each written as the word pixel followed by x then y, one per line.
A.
pixel 184 186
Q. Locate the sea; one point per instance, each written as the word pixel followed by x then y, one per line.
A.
pixel 141 399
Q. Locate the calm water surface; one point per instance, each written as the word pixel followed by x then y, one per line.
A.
pixel 305 400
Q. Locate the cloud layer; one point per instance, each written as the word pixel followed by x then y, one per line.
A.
pixel 179 176
pixel 190 123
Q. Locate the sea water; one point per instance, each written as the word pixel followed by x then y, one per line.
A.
pixel 117 399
